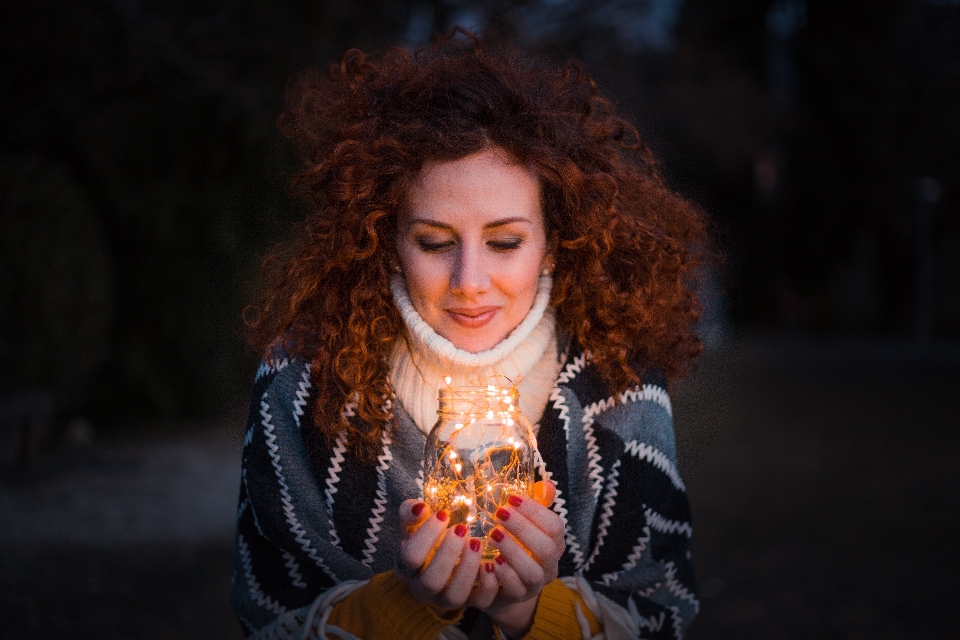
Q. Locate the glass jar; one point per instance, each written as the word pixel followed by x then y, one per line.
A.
pixel 480 451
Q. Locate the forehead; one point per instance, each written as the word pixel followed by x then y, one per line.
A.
pixel 479 188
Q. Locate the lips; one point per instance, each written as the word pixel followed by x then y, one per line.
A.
pixel 472 317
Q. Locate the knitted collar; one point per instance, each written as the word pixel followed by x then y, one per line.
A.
pixel 420 364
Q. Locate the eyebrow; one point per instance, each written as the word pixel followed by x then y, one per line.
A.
pixel 490 225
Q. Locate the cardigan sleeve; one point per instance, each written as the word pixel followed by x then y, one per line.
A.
pixel 289 570
pixel 623 503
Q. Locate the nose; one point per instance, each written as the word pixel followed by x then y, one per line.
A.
pixel 470 275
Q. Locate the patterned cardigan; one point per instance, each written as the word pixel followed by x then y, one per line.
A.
pixel 311 517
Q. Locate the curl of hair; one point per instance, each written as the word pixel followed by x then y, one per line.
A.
pixel 627 248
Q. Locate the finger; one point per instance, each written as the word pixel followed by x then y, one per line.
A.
pixel 511 585
pixel 435 576
pixel 526 568
pixel 486 589
pixel 417 548
pixel 540 544
pixel 544 492
pixel 465 576
pixel 412 513
pixel 543 517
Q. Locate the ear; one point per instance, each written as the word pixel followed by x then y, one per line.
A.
pixel 547 264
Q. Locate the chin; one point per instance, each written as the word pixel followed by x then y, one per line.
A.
pixel 476 344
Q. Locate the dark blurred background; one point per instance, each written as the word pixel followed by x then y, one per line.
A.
pixel 143 180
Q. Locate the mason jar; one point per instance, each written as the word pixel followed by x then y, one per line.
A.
pixel 480 452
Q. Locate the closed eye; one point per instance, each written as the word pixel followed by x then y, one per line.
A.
pixel 434 247
pixel 505 245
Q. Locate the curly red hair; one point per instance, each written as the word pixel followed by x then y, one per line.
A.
pixel 627 248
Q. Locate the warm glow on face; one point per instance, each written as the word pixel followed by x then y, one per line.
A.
pixel 472 243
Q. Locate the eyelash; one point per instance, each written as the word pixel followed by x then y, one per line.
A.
pixel 500 246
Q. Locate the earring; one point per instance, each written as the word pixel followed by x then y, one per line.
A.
pixel 546 271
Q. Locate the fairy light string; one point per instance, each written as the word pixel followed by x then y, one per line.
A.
pixel 479 453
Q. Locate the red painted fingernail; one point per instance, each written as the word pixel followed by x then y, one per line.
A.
pixel 502 514
pixel 460 530
pixel 442 516
pixel 417 508
pixel 488 567
pixel 515 501
pixel 497 535
pixel 475 544
pixel 500 560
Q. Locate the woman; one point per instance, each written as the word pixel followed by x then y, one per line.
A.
pixel 475 212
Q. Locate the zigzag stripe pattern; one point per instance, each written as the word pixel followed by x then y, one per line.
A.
pixel 632 559
pixel 646 452
pixel 654 623
pixel 561 405
pixel 258 596
pixel 664 525
pixel 302 394
pixel 649 392
pixel 590 502
pixel 677 623
pixel 573 368
pixel 658 395
pixel 293 570
pixel 559 504
pixel 561 510
pixel 380 502
pixel 270 366
pixel 350 408
pixel 606 514
pixel 677 588
pixel 295 527
pixel 593 451
pixel 333 477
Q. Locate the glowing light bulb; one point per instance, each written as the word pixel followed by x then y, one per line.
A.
pixel 448 379
pixel 453 455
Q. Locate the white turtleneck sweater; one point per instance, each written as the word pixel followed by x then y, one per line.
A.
pixel 420 364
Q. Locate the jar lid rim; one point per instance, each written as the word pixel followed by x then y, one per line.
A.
pixel 485 391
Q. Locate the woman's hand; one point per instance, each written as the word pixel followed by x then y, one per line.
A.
pixel 530 538
pixel 440 564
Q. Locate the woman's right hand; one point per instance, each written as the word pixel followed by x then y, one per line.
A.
pixel 441 564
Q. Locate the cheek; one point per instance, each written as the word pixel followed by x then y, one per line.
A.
pixel 521 285
pixel 425 282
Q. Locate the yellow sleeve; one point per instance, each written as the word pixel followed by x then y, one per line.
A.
pixel 385 608
pixel 556 615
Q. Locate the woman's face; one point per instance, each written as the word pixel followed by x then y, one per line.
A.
pixel 472 245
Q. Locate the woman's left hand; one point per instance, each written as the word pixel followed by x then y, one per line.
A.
pixel 530 538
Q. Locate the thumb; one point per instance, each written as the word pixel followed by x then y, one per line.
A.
pixel 413 512
pixel 544 492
